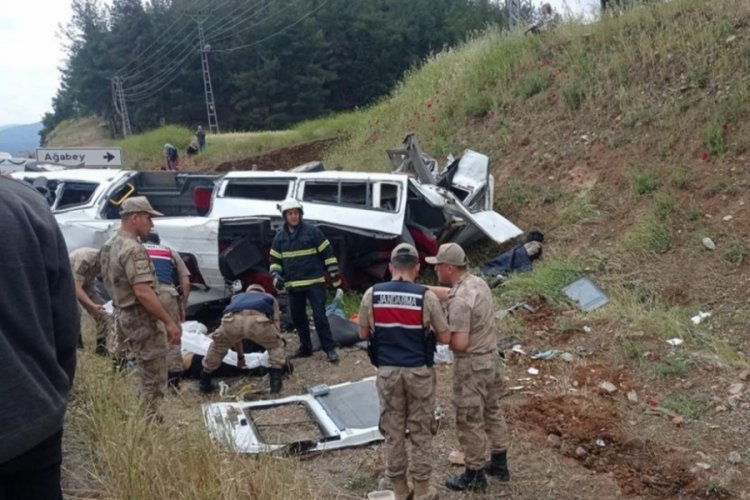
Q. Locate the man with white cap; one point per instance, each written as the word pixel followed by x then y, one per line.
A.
pixel 402 321
pixel 477 370
pixel 141 320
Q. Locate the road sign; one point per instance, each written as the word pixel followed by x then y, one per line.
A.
pixel 80 157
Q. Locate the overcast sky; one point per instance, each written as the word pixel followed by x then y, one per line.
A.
pixel 32 52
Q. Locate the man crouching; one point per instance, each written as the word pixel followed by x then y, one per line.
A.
pixel 253 315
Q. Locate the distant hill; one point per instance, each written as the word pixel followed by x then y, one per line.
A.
pixel 17 139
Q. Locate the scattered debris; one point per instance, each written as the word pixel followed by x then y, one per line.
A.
pixel 600 443
pixel 659 410
pixel 587 329
pixel 633 397
pixel 517 349
pixel 678 421
pixel 533 371
pixel 736 388
pixel 546 355
pixel 567 357
pixel 581 452
pixel 708 243
pixel 703 465
pixel 456 457
pixel 583 351
pixel 381 495
pixel 698 318
pixel 726 218
pixel 735 458
pixel 608 386
pixel 586 294
pixel 675 342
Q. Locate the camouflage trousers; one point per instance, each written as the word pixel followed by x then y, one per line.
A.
pixel 172 302
pixel 480 423
pixel 251 325
pixel 102 322
pixel 407 398
pixel 146 339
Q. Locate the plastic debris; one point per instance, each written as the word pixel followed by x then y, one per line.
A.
pixel 517 349
pixel 698 318
pixel 587 329
pixel 600 443
pixel 533 371
pixel 586 294
pixel 567 357
pixel 675 342
pixel 546 355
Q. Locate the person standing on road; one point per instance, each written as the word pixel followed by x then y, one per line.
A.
pixel 84 262
pixel 253 315
pixel 39 328
pixel 300 257
pixel 400 318
pixel 142 321
pixel 477 371
pixel 173 292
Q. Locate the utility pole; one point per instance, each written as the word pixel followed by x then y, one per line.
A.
pixel 516 10
pixel 120 106
pixel 213 120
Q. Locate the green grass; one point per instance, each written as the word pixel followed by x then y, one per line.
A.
pixel 649 235
pixel 579 209
pixel 573 95
pixel 546 280
pixel 675 367
pixel 691 408
pixel 90 131
pixel 735 253
pixel 643 181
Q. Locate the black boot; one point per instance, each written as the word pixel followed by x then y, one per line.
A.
pixel 473 480
pixel 173 379
pixel 498 466
pixel 205 385
pixel 287 369
pixel 275 378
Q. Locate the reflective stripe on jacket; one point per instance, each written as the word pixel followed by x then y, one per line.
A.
pixel 302 257
pixel 399 332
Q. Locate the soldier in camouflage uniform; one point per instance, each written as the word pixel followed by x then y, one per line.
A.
pixel 84 263
pixel 397 317
pixel 253 315
pixel 477 371
pixel 173 291
pixel 142 321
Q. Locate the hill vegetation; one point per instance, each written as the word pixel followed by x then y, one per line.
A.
pixel 272 63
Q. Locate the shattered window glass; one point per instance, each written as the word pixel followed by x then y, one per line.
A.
pixel 75 193
pixel 389 196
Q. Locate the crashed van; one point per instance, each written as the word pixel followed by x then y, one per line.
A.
pixel 224 225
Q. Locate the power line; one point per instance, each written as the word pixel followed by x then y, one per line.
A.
pixel 238 22
pixel 232 14
pixel 168 54
pixel 158 39
pixel 162 73
pixel 282 30
pixel 216 36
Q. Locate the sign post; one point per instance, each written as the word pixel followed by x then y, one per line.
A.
pixel 80 157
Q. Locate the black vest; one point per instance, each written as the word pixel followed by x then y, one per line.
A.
pixel 399 338
pixel 255 301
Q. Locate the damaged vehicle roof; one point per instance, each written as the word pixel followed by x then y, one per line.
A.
pixel 224 224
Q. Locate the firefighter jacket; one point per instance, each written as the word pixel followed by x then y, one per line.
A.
pixel 302 257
